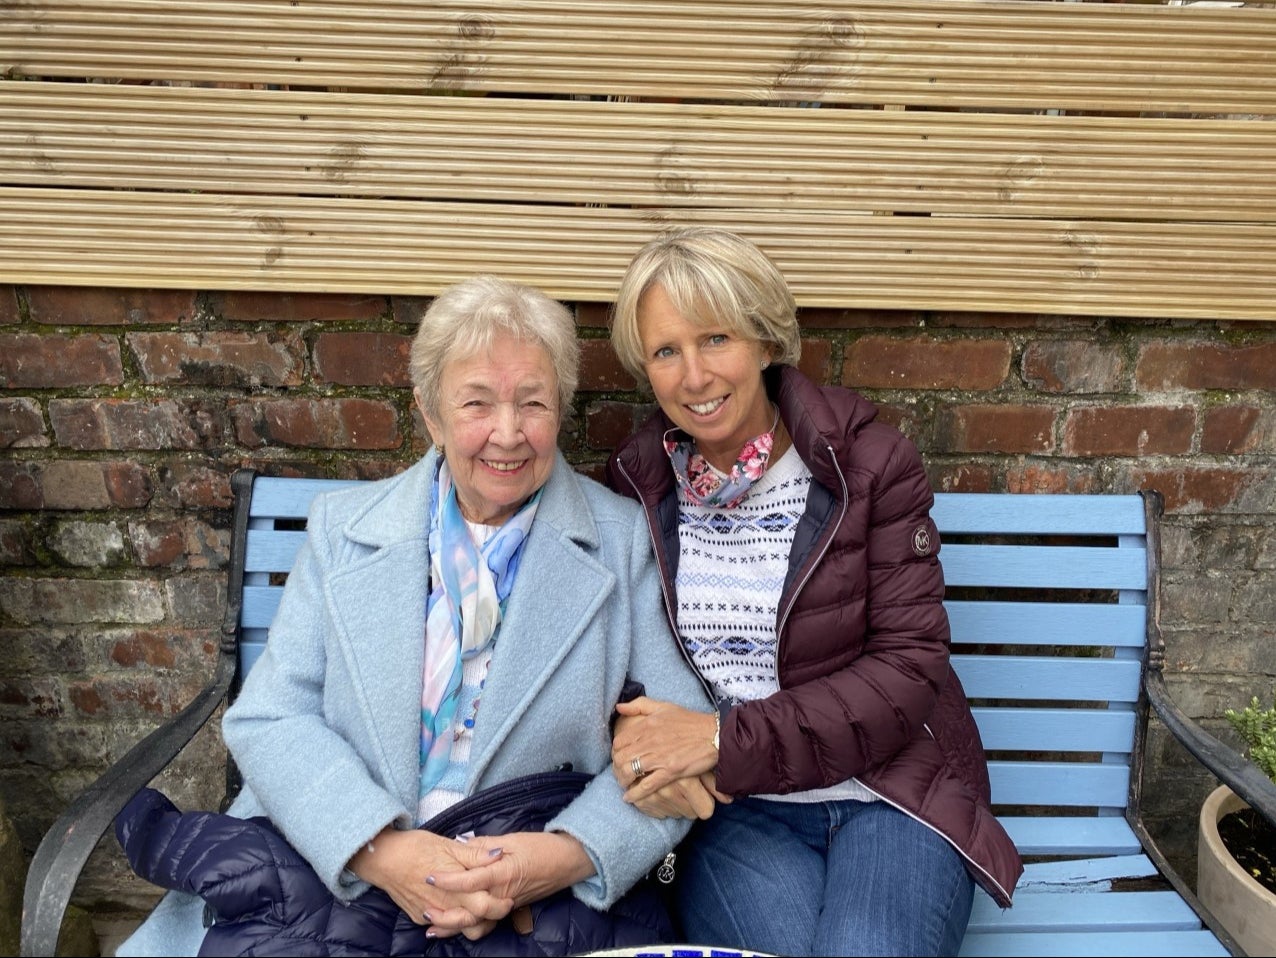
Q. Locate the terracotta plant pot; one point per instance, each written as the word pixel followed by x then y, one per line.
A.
pixel 1241 904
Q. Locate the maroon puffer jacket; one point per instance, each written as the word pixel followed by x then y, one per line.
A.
pixel 866 688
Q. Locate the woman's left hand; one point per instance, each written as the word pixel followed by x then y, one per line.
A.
pixel 665 742
pixel 527 867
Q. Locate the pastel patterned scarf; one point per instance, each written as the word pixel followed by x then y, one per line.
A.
pixel 704 484
pixel 464 610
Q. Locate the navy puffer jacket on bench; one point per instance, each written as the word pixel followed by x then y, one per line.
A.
pixel 265 898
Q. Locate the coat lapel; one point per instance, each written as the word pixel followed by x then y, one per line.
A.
pixel 378 605
pixel 559 590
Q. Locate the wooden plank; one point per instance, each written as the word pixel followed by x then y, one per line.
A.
pixel 1048 679
pixel 1059 784
pixel 1100 944
pixel 667 155
pixel 1191 59
pixel 1055 729
pixel 1114 913
pixel 290 498
pixel 260 605
pixel 271 550
pixel 1026 513
pixel 1071 835
pixel 287 243
pixel 1054 567
pixel 250 650
pixel 1047 623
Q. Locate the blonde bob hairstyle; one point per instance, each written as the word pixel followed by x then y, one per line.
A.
pixel 713 278
pixel 466 318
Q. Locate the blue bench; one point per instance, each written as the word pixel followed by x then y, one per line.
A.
pixel 1053 602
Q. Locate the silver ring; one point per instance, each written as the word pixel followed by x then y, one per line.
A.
pixel 635 766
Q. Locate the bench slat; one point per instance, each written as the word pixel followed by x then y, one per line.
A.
pixel 1113 912
pixel 1071 835
pixel 1054 567
pixel 289 498
pixel 1017 513
pixel 1059 784
pixel 1055 729
pixel 270 550
pixel 1043 623
pixel 1101 944
pixel 260 605
pixel 1048 678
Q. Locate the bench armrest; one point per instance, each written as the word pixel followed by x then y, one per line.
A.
pixel 1227 764
pixel 66 846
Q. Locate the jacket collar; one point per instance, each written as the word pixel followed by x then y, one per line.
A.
pixel 403 513
pixel 817 419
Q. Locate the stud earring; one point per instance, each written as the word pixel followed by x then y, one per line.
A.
pixel 765 364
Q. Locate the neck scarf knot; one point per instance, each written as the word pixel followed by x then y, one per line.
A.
pixel 704 484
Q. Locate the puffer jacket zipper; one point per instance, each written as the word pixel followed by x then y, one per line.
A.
pixel 666 580
pixel 830 533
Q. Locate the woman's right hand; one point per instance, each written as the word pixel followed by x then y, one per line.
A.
pixel 399 861
pixel 674 748
pixel 690 797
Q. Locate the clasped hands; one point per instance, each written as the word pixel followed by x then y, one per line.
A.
pixel 673 748
pixel 465 886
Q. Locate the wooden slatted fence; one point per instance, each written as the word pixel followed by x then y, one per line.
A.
pixel 1015 156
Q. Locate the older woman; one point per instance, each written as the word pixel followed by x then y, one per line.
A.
pixel 801 566
pixel 465 623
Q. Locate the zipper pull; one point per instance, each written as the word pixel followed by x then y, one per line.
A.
pixel 664 871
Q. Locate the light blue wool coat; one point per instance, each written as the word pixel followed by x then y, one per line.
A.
pixel 326 728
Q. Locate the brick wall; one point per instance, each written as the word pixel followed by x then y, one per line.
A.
pixel 123 412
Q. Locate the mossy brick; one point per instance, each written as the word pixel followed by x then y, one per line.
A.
pixel 53 361
pixel 233 360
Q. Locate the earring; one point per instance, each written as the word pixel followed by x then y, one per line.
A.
pixel 765 363
pixel 439 447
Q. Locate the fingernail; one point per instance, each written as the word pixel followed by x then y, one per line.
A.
pixel 426 916
pixel 429 879
pixel 429 933
pixel 493 853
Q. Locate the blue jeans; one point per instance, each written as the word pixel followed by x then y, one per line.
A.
pixel 824 878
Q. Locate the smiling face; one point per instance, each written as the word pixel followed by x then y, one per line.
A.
pixel 498 422
pixel 707 379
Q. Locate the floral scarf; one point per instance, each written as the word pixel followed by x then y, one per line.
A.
pixel 467 600
pixel 704 484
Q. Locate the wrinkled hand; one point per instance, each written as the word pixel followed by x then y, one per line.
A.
pixel 519 868
pixel 399 863
pixel 672 745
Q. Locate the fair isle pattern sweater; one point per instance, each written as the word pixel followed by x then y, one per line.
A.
pixel 730 575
